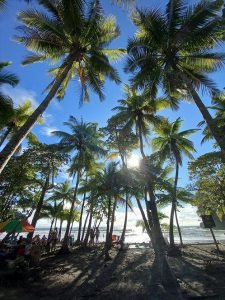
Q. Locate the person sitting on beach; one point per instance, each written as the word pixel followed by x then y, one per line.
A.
pixel 92 237
pixel 20 247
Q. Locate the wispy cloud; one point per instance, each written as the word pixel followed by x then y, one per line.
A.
pixel 46 130
pixel 19 95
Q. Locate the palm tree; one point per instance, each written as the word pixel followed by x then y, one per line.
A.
pixel 182 195
pixel 175 49
pixel 16 119
pixel 85 142
pixel 74 35
pixel 138 111
pixel 172 143
pixel 63 193
pixel 2 4
pixel 6 103
pixel 109 186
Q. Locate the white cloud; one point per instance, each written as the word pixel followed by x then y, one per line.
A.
pixel 187 217
pixel 19 95
pixel 46 130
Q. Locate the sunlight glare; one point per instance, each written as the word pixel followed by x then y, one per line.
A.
pixel 133 161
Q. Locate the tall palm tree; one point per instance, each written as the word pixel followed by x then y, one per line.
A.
pixel 84 142
pixel 74 35
pixel 175 49
pixel 16 119
pixel 139 111
pixel 173 143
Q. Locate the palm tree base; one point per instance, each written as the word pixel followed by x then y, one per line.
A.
pixel 64 250
pixel 107 258
pixel 174 251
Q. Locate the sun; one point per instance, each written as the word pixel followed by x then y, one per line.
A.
pixel 133 161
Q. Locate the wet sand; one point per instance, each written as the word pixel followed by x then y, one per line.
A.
pixel 85 275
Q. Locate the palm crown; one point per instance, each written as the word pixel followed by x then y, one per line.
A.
pixel 74 29
pixel 175 46
pixel 172 143
pixel 84 140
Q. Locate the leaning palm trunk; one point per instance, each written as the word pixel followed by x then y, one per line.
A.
pixel 90 222
pixel 39 205
pixel 84 227
pixel 80 221
pixel 125 220
pixel 216 132
pixel 107 257
pixel 112 223
pixel 17 139
pixel 60 229
pixel 144 218
pixel 66 236
pixel 50 229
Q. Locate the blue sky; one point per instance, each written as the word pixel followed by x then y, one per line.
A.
pixel 34 79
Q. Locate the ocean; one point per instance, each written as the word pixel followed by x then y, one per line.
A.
pixel 190 234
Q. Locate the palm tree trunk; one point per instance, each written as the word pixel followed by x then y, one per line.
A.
pixel 7 132
pixel 173 207
pixel 178 227
pixel 107 257
pixel 141 139
pixel 17 139
pixel 144 218
pixel 71 227
pixel 125 220
pixel 66 236
pixel 80 221
pixel 39 205
pixel 50 229
pixel 55 222
pixel 85 224
pixel 60 229
pixel 112 223
pixel 90 222
pixel 216 132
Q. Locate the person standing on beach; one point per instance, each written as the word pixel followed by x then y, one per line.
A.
pixel 92 237
pixel 97 233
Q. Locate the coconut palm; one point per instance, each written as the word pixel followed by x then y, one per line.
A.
pixel 84 142
pixel 182 196
pixel 173 143
pixel 63 193
pixel 75 36
pixel 175 49
pixel 139 111
pixel 16 119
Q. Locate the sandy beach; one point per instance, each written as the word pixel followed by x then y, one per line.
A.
pixel 83 274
